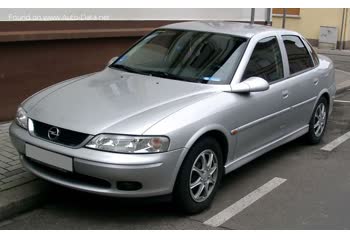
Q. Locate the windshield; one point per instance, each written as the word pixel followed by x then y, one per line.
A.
pixel 192 56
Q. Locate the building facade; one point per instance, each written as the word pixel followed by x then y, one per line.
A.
pixel 310 21
pixel 40 47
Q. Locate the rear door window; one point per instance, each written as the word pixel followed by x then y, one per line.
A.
pixel 298 56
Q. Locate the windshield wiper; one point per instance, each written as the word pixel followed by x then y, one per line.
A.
pixel 128 69
pixel 152 73
pixel 166 75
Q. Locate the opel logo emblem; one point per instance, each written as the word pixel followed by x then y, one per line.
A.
pixel 53 133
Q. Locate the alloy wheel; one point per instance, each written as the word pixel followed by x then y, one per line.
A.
pixel 204 175
pixel 320 119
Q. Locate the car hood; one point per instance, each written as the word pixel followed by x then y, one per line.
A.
pixel 113 101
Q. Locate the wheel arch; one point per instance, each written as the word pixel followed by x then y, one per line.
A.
pixel 324 93
pixel 216 131
pixel 220 138
pixel 326 96
pixel 219 133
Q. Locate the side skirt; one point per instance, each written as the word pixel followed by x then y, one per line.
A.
pixel 232 165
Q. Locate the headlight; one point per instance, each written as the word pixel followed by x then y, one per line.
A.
pixel 129 144
pixel 21 118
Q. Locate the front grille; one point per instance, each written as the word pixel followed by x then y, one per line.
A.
pixel 66 137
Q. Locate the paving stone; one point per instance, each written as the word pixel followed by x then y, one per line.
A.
pixel 5 159
pixel 16 183
pixel 6 154
pixel 15 162
pixel 4 127
pixel 14 172
pixel 14 167
pixel 4 165
pixel 15 177
pixel 3 170
pixel 14 158
pixel 10 148
pixel 9 145
pixel 7 149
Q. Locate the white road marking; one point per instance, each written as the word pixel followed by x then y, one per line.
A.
pixel 336 142
pixel 341 101
pixel 244 202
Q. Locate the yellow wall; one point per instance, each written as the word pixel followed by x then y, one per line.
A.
pixel 310 20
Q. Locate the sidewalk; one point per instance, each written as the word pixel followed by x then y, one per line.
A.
pixel 12 173
pixel 21 191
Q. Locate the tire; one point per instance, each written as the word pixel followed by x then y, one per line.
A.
pixel 318 122
pixel 188 199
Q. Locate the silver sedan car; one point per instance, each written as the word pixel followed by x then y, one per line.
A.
pixel 187 104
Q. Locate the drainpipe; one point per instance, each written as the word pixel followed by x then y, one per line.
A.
pixel 252 16
pixel 268 16
pixel 341 46
pixel 284 18
pixel 346 27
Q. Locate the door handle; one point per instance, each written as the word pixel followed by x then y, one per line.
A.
pixel 316 80
pixel 285 94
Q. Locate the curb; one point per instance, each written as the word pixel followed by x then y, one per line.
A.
pixel 333 52
pixel 343 87
pixel 23 198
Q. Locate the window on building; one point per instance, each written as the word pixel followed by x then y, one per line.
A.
pixel 298 56
pixel 266 61
pixel 289 11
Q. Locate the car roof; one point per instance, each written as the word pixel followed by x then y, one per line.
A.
pixel 246 30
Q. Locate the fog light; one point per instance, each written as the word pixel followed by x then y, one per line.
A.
pixel 129 186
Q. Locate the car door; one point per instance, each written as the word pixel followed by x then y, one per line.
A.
pixel 302 83
pixel 262 113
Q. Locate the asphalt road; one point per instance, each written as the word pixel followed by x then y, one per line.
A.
pixel 314 194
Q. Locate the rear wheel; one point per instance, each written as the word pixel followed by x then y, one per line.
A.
pixel 318 122
pixel 199 176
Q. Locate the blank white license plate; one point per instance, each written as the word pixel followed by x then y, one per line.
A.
pixel 49 158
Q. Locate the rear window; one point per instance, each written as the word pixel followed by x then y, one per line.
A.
pixel 313 52
pixel 298 56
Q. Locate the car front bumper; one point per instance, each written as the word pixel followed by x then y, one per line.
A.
pixel 99 172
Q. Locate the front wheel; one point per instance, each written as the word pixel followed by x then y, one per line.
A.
pixel 199 176
pixel 318 122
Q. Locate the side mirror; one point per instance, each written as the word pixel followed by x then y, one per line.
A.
pixel 111 61
pixel 252 84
